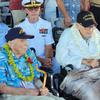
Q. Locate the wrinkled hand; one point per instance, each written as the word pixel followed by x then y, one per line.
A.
pixel 44 91
pixel 91 62
pixel 94 63
pixel 3 88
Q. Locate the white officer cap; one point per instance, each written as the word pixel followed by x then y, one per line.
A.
pixel 32 3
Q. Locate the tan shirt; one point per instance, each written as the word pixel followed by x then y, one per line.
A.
pixel 95 1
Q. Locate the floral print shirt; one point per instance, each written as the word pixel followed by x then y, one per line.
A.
pixel 7 74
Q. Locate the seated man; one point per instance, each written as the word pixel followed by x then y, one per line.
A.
pixel 79 46
pixel 18 72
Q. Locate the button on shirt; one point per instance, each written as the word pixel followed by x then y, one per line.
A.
pixel 7 74
pixel 43 35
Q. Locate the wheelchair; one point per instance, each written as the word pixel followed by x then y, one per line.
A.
pixel 56 79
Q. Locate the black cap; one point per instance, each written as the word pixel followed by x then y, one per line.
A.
pixel 17 33
pixel 86 18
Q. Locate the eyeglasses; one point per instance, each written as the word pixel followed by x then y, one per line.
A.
pixel 33 8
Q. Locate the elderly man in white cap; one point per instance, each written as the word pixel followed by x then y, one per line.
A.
pixel 42 31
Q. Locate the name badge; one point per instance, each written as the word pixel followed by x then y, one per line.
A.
pixel 43 31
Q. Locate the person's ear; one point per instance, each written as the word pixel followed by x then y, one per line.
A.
pixel 11 44
pixel 26 10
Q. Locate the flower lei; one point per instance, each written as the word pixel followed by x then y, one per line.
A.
pixel 28 78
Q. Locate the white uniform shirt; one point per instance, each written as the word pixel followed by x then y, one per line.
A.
pixel 43 35
pixel 72 48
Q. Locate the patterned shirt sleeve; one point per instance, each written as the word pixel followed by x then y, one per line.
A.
pixel 3 72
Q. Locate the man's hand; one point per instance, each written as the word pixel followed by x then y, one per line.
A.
pixel 45 62
pixel 67 21
pixel 91 62
pixel 48 62
pixel 94 63
pixel 3 88
pixel 44 91
pixel 17 91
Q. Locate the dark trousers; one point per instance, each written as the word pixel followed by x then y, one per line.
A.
pixel 96 12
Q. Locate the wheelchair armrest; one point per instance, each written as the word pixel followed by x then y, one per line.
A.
pixel 55 92
pixel 54 83
pixel 68 67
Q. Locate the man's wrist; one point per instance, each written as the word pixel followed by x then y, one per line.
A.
pixel 86 61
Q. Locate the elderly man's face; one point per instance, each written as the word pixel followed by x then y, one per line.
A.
pixel 19 46
pixel 86 32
